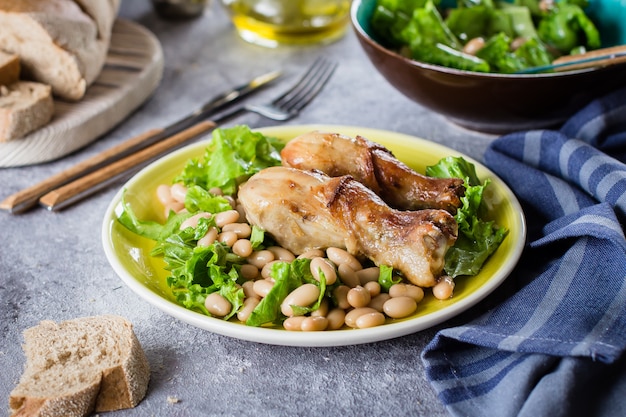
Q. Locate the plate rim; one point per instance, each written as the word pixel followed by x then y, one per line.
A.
pixel 315 339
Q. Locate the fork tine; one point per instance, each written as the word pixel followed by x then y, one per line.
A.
pixel 309 90
pixel 302 82
pixel 313 89
pixel 289 104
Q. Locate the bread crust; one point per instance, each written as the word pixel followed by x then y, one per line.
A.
pixel 57 41
pixel 76 404
pixel 9 68
pixel 124 386
pixel 80 366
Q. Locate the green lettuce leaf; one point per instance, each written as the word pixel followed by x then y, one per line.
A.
pixel 232 156
pixel 385 277
pixel 566 27
pixel 287 277
pixel 478 238
pixel 199 199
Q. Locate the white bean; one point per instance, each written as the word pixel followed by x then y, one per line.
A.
pixel 249 271
pixel 341 256
pixel 368 274
pixel 322 310
pixel 303 296
pixel 227 238
pixel 266 271
pixel 241 211
pixel 243 230
pixel 407 290
pixel 225 217
pixel 378 301
pixel 341 296
pixel 359 297
pixel 282 253
pixel 178 192
pixel 312 253
pixel 348 276
pixel 314 324
pixel 294 323
pixel 164 194
pixel 321 264
pixel 209 237
pixel 368 320
pixel 217 304
pixel 399 307
pixel 242 247
pixel 474 45
pixel 260 258
pixel 336 318
pixel 248 289
pixel 249 304
pixel 262 287
pixel 353 315
pixel 373 287
pixel 444 288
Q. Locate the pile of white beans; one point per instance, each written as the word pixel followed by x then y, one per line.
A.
pixel 359 301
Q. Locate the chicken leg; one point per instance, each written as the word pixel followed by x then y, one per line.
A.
pixel 305 210
pixel 374 166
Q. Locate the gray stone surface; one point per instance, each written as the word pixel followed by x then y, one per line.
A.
pixel 52 265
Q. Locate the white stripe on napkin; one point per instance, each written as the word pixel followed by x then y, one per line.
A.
pixel 568 268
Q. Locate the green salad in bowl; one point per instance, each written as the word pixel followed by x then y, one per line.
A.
pixel 486 35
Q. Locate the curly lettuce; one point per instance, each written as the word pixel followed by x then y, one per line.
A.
pixel 518 34
pixel 478 238
pixel 232 156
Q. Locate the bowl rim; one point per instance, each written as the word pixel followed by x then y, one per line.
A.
pixel 362 33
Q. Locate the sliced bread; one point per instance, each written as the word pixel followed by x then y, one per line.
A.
pixel 79 366
pixel 58 42
pixel 9 68
pixel 24 107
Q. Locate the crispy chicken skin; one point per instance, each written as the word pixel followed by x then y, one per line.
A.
pixel 304 210
pixel 374 166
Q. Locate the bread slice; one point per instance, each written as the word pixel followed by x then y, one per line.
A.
pixel 24 107
pixel 102 12
pixel 57 41
pixel 80 366
pixel 9 68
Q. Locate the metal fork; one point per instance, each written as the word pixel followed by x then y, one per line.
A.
pixel 289 104
pixel 284 107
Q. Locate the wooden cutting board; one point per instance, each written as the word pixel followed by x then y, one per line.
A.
pixel 132 72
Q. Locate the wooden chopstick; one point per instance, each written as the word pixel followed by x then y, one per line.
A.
pixel 27 198
pixel 614 55
pixel 81 187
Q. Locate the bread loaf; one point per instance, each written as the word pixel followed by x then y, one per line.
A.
pixel 9 68
pixel 24 107
pixel 80 366
pixel 62 43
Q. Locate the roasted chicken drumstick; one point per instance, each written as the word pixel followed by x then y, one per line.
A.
pixel 374 166
pixel 306 209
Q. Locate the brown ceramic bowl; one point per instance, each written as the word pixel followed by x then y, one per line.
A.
pixel 488 102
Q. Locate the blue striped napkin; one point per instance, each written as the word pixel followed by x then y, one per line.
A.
pixel 552 340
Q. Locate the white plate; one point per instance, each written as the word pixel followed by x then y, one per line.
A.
pixel 128 253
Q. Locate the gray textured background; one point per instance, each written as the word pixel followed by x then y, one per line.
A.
pixel 52 265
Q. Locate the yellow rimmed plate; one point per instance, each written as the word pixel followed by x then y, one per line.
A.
pixel 129 256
